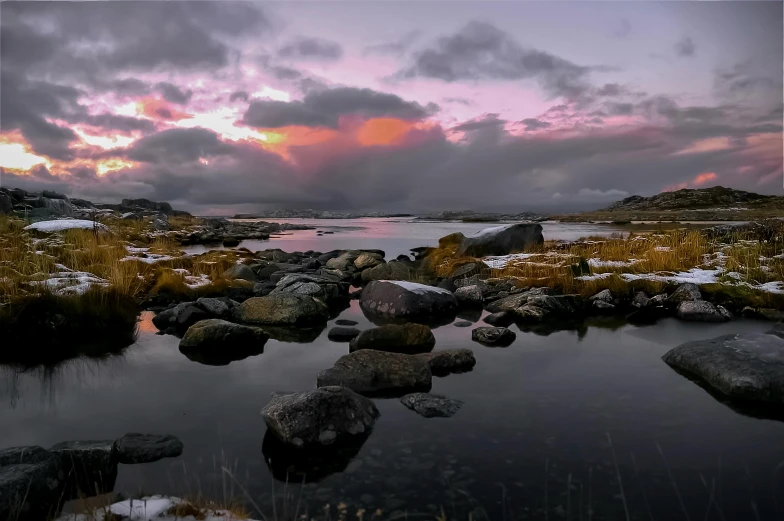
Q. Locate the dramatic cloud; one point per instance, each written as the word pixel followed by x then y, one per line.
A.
pixel 311 48
pixel 174 94
pixel 535 124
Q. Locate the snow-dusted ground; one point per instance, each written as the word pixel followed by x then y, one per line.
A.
pixel 695 275
pixel 151 508
pixel 598 263
pixel 501 261
pixel 144 255
pixel 419 289
pixel 61 225
pixel 72 282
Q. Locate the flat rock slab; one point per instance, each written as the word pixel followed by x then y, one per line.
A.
pixel 321 417
pixel 345 322
pixel 448 361
pixel 136 448
pixel 746 366
pixel 431 405
pixel 283 309
pixel 396 338
pixel 378 373
pixel 493 336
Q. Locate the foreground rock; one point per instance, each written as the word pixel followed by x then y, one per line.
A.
pixel 407 301
pixel 448 361
pixel 178 318
pixel 393 338
pixel 378 373
pixel 343 333
pixel 219 335
pixel 325 416
pixel 93 464
pixel 469 296
pixel 431 405
pixel 745 366
pixel 493 336
pixel 502 240
pixel 702 311
pixel 32 484
pixel 136 448
pixel 321 288
pixel 283 309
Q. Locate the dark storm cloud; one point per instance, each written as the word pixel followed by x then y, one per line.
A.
pixel 311 48
pixel 179 145
pixel 114 122
pixel 173 93
pixel 239 95
pixel 323 108
pixel 685 47
pixel 535 124
pixel 481 51
pixel 610 89
pixel 488 121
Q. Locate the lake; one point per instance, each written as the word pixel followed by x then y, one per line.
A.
pixel 549 423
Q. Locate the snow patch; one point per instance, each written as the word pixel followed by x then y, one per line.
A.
pixel 662 248
pixel 502 260
pixel 419 289
pixel 71 282
pixel 66 224
pixel 598 263
pixel 494 230
pixel 151 258
pixel 146 509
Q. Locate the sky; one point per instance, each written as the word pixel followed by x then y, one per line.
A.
pixel 223 107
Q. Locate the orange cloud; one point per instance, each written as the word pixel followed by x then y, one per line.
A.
pixel 155 108
pixel 383 131
pixel 703 178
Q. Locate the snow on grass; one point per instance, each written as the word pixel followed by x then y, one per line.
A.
pixel 419 289
pixel 662 248
pixel 151 258
pixel 194 282
pixel 150 508
pixel 502 260
pixel 486 232
pixel 61 225
pixel 598 263
pixel 71 282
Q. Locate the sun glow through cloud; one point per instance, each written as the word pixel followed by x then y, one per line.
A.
pixel 16 156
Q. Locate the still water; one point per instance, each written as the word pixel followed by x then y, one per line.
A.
pixel 549 425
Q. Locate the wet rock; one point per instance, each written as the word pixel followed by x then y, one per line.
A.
pixel 515 301
pixel 346 322
pixel 394 338
pixel 685 292
pixel 33 490
pixel 744 366
pixel 241 272
pixel 298 335
pixel 20 455
pixel 283 309
pixel 548 307
pixel 368 260
pixel 601 306
pixel 217 307
pixel 289 464
pixel 343 334
pixel 136 448
pixel 407 300
pixel 180 317
pixel 378 373
pixel 603 296
pixel 493 336
pixel 469 296
pixel 323 289
pixel 500 318
pixel 324 416
pixel 658 300
pixel 775 315
pixel 462 323
pixel 702 311
pixel 92 466
pixel 342 261
pixel 264 272
pixel 640 300
pixel 431 405
pixel 501 240
pixel 231 242
pixel 218 342
pixel 448 361
pixel 392 270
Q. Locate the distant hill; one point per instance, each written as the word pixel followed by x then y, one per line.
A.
pixel 702 204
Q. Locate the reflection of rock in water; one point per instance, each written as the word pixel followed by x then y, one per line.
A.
pixel 471 314
pixel 225 357
pixel 432 321
pixel 292 334
pixel 307 466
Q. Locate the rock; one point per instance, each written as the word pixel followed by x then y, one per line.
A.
pixel 685 292
pixel 325 416
pixel 218 342
pixel 548 307
pixel 32 490
pixel 658 300
pixel 393 338
pixel 493 336
pixel 345 322
pixel 368 260
pixel 215 306
pixel 6 204
pixel 264 272
pixel 231 242
pixel 321 288
pixel 462 323
pixel 640 300
pixel 448 361
pixel 343 261
pixel 146 204
pixel 603 296
pixel 180 317
pixel 602 307
pixel 160 225
pixel 407 300
pixel 131 216
pixel 241 272
pixel 50 194
pixel 513 302
pixel 431 405
pixel 702 311
pixel 763 313
pixel 453 239
pixel 392 270
pixel 312 264
pixel 92 466
pixel 23 455
pixel 745 366
pixel 136 448
pixel 502 240
pixel 343 334
pixel 500 318
pixel 469 296
pixel 53 207
pixel 283 309
pixel 372 372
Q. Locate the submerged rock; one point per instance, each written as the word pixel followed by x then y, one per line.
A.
pixel 744 366
pixel 403 338
pixel 431 405
pixel 372 372
pixel 283 309
pixel 407 300
pixel 702 311
pixel 324 416
pixel 493 336
pixel 448 361
pixel 342 334
pixel 92 464
pixel 501 240
pixel 500 318
pixel 345 322
pixel 136 448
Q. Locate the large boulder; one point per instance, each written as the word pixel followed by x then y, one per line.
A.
pixel 702 311
pixel 549 307
pixel 431 405
pixel 448 361
pixel 502 240
pixel 179 318
pixel 407 300
pixel 32 484
pixel 240 272
pixel 342 261
pixel 376 373
pixel 493 336
pixel 368 260
pixel 218 342
pixel 283 309
pixel 394 338
pixel 469 296
pixel 92 466
pixel 744 366
pixel 392 270
pixel 324 289
pixel 324 416
pixel 136 448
